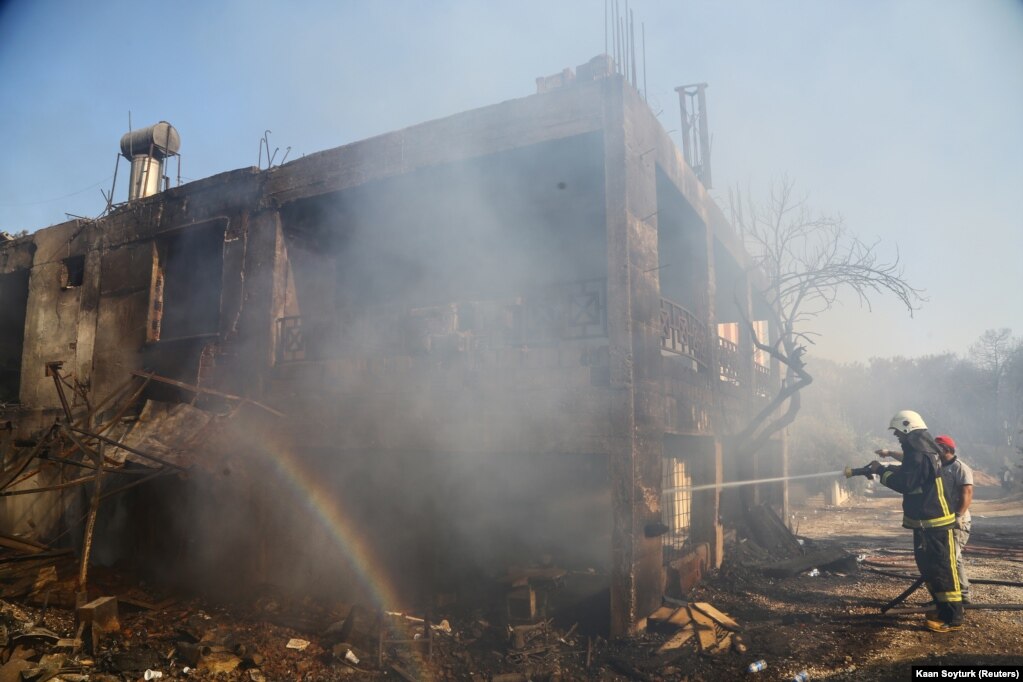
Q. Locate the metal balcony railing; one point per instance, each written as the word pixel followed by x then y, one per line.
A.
pixel 728 362
pixel 546 316
pixel 761 380
pixel 683 334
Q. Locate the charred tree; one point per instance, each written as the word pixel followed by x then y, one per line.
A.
pixel 809 260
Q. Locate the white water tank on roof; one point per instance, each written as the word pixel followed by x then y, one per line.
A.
pixel 147 148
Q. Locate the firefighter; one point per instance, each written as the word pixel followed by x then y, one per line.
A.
pixel 927 511
pixel 957 478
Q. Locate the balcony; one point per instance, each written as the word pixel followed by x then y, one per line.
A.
pixel 550 315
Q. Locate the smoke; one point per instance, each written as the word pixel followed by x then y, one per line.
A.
pixel 439 303
pixel 446 393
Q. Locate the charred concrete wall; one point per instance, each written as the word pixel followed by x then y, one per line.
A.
pixel 482 329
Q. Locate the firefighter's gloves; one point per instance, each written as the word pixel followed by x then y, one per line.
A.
pixel 875 467
pixel 884 453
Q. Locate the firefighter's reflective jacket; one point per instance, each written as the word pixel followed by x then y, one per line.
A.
pixel 924 500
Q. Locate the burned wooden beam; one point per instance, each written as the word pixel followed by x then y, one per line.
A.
pixel 209 391
pixel 704 627
pixel 49 488
pixel 53 370
pixel 36 557
pixel 20 465
pixel 22 545
pixel 102 428
pixel 122 446
pixel 722 619
pixel 90 523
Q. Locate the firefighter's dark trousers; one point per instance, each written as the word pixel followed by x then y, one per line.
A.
pixel 935 553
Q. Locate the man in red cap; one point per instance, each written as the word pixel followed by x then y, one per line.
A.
pixel 958 479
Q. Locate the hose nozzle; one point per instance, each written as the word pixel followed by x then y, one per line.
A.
pixel 861 471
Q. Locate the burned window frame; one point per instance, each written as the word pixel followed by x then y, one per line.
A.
pixel 72 272
pixel 13 390
pixel 162 254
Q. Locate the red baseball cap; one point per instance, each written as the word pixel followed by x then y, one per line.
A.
pixel 947 442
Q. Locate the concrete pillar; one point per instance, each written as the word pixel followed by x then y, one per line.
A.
pixel 637 574
pixel 703 456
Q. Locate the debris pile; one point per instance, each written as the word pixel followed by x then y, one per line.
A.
pixel 710 630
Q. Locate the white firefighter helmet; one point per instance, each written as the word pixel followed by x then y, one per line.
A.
pixel 905 421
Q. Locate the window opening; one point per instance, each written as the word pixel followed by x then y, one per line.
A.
pixel 186 285
pixel 13 310
pixel 676 503
pixel 72 272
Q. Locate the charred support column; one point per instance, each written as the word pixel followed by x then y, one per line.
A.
pixel 264 271
pixel 637 577
pixel 706 505
pixel 264 264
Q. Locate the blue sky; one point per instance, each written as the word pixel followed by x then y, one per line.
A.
pixel 905 117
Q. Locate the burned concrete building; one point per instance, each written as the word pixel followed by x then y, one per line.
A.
pixel 513 337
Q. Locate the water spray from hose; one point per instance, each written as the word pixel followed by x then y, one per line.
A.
pixel 734 484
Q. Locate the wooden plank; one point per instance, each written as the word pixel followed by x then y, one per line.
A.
pixel 704 630
pixel 677 640
pixel 680 618
pixel 660 615
pixel 701 620
pixel 720 618
pixel 145 603
pixel 22 545
pixel 708 640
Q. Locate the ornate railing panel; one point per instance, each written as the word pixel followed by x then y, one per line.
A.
pixel 761 380
pixel 682 333
pixel 728 361
pixel 569 310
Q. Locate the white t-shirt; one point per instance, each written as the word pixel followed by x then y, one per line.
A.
pixel 954 475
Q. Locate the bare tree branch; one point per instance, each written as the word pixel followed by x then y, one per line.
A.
pixel 809 260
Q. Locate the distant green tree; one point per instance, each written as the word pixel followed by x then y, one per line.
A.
pixel 997 353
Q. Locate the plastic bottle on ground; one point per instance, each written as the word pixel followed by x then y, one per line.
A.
pixel 756 666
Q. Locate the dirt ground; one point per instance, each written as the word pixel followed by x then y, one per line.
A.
pixel 828 625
